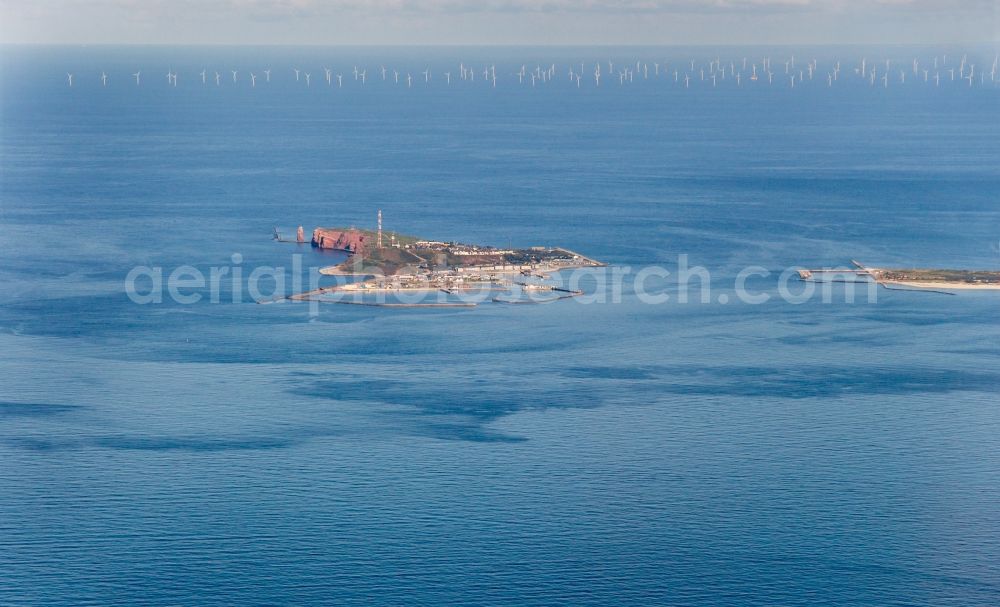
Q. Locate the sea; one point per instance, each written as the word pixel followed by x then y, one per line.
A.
pixel 763 441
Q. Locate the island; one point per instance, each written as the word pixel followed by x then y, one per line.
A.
pixel 389 262
pixel 916 278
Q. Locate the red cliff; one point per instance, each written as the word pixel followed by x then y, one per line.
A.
pixel 352 241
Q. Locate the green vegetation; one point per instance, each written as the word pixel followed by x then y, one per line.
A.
pixel 371 236
pixel 953 276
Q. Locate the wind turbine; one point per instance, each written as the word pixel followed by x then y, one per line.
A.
pixel 69 78
pixel 136 75
pixel 364 76
pixel 329 79
pixel 409 81
pixel 234 75
pixel 104 79
pixel 383 72
pixel 253 79
pixel 427 76
pixel 267 75
pixel 203 75
pixel 447 77
pixel 308 76
pixel 340 80
pixel 296 73
pixel 218 79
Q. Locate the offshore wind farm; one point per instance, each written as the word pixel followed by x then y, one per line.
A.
pixel 724 69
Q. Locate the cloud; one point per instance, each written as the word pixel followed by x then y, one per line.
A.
pixel 582 6
pixel 328 7
pixel 499 21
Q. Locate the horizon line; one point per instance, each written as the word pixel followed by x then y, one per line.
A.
pixel 503 45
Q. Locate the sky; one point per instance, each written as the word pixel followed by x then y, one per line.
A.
pixel 500 22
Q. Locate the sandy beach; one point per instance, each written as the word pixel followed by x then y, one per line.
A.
pixel 983 286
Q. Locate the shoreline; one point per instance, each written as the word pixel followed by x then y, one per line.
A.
pixel 966 286
pixel 339 270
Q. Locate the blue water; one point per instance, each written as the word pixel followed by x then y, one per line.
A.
pixel 605 453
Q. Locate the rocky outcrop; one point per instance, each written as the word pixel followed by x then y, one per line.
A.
pixel 352 241
pixel 300 235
